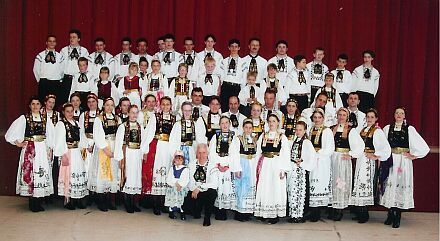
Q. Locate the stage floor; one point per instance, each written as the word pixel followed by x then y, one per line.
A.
pixel 56 223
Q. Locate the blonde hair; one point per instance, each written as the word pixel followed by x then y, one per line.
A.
pixel 209 60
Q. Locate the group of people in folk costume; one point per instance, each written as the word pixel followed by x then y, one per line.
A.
pixel 285 138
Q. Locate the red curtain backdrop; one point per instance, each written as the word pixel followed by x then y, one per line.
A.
pixel 404 35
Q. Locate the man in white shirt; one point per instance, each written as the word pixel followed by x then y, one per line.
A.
pixel 196 100
pixel 231 74
pixel 317 71
pixel 235 116
pixel 209 51
pixel 343 82
pixel 253 62
pixel 189 57
pixel 123 60
pixel 283 62
pixel 298 83
pixel 356 119
pixel 160 43
pixel 169 58
pixel 320 102
pixel 142 47
pixel 71 54
pixel 366 81
pixel 48 71
pixel 100 58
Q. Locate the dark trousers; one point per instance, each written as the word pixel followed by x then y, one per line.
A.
pixel 205 200
pixel 366 101
pixel 206 100
pixel 65 86
pixel 344 98
pixel 245 110
pixel 227 90
pixel 303 101
pixel 54 87
pixel 307 200
pixel 314 89
pixel 55 174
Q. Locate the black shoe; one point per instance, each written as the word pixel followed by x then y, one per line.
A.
pixel 273 220
pixel 110 204
pixel 206 222
pixel 355 211
pixel 238 216
pixel 38 206
pixel 70 205
pixel 331 213
pixel 157 211
pixel 220 214
pixel 128 203
pixel 172 215
pixel 390 217
pixel 182 216
pixel 315 215
pixel 396 220
pixel 337 216
pixel 363 215
pixel 79 204
pixel 32 206
pixel 136 208
pixel 261 219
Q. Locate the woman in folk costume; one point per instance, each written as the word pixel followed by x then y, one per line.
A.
pixel 180 88
pixel 348 145
pixel 320 178
pixel 376 149
pixel 224 154
pixel 131 85
pixel 159 157
pixel 273 163
pixel 245 180
pixel 290 119
pixel 302 161
pixel 72 183
pixel 258 124
pixel 406 145
pixel 156 82
pixel 86 121
pixel 33 133
pixel 75 100
pixel 130 148
pixel 183 135
pixel 177 179
pixel 104 169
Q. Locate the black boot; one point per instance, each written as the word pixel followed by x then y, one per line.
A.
pixel 102 202
pixel 128 203
pixel 363 215
pixel 133 204
pixel 338 215
pixel 207 221
pixel 32 205
pixel 355 211
pixel 38 205
pixel 80 203
pixel 110 204
pixel 331 213
pixel 238 216
pixel 315 214
pixel 182 216
pixel 397 216
pixel 390 217
pixel 273 220
pixel 220 214
pixel 156 206
pixel 172 214
pixel 70 205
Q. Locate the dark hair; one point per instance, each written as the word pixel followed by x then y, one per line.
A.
pixel 298 58
pixel 143 59
pixel 159 38
pixel 323 93
pixel 75 31
pixel 254 39
pixel 234 41
pixel 234 96
pixel 67 105
pixel 273 66
pixel 128 39
pixel 123 99
pixel 302 123
pixel 34 97
pixel 282 41
pixel 50 36
pixel 105 68
pixel 188 39
pixel 140 40
pixel 270 91
pixel 169 36
pixel 214 98
pixel 155 61
pixel 343 56
pixel 374 111
pixel 210 36
pixel 353 93
pixel 165 98
pixel 370 52
pixel 99 39
pixel 83 59
pixel 148 96
pixel 75 94
pixel 197 89
pixel 318 49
